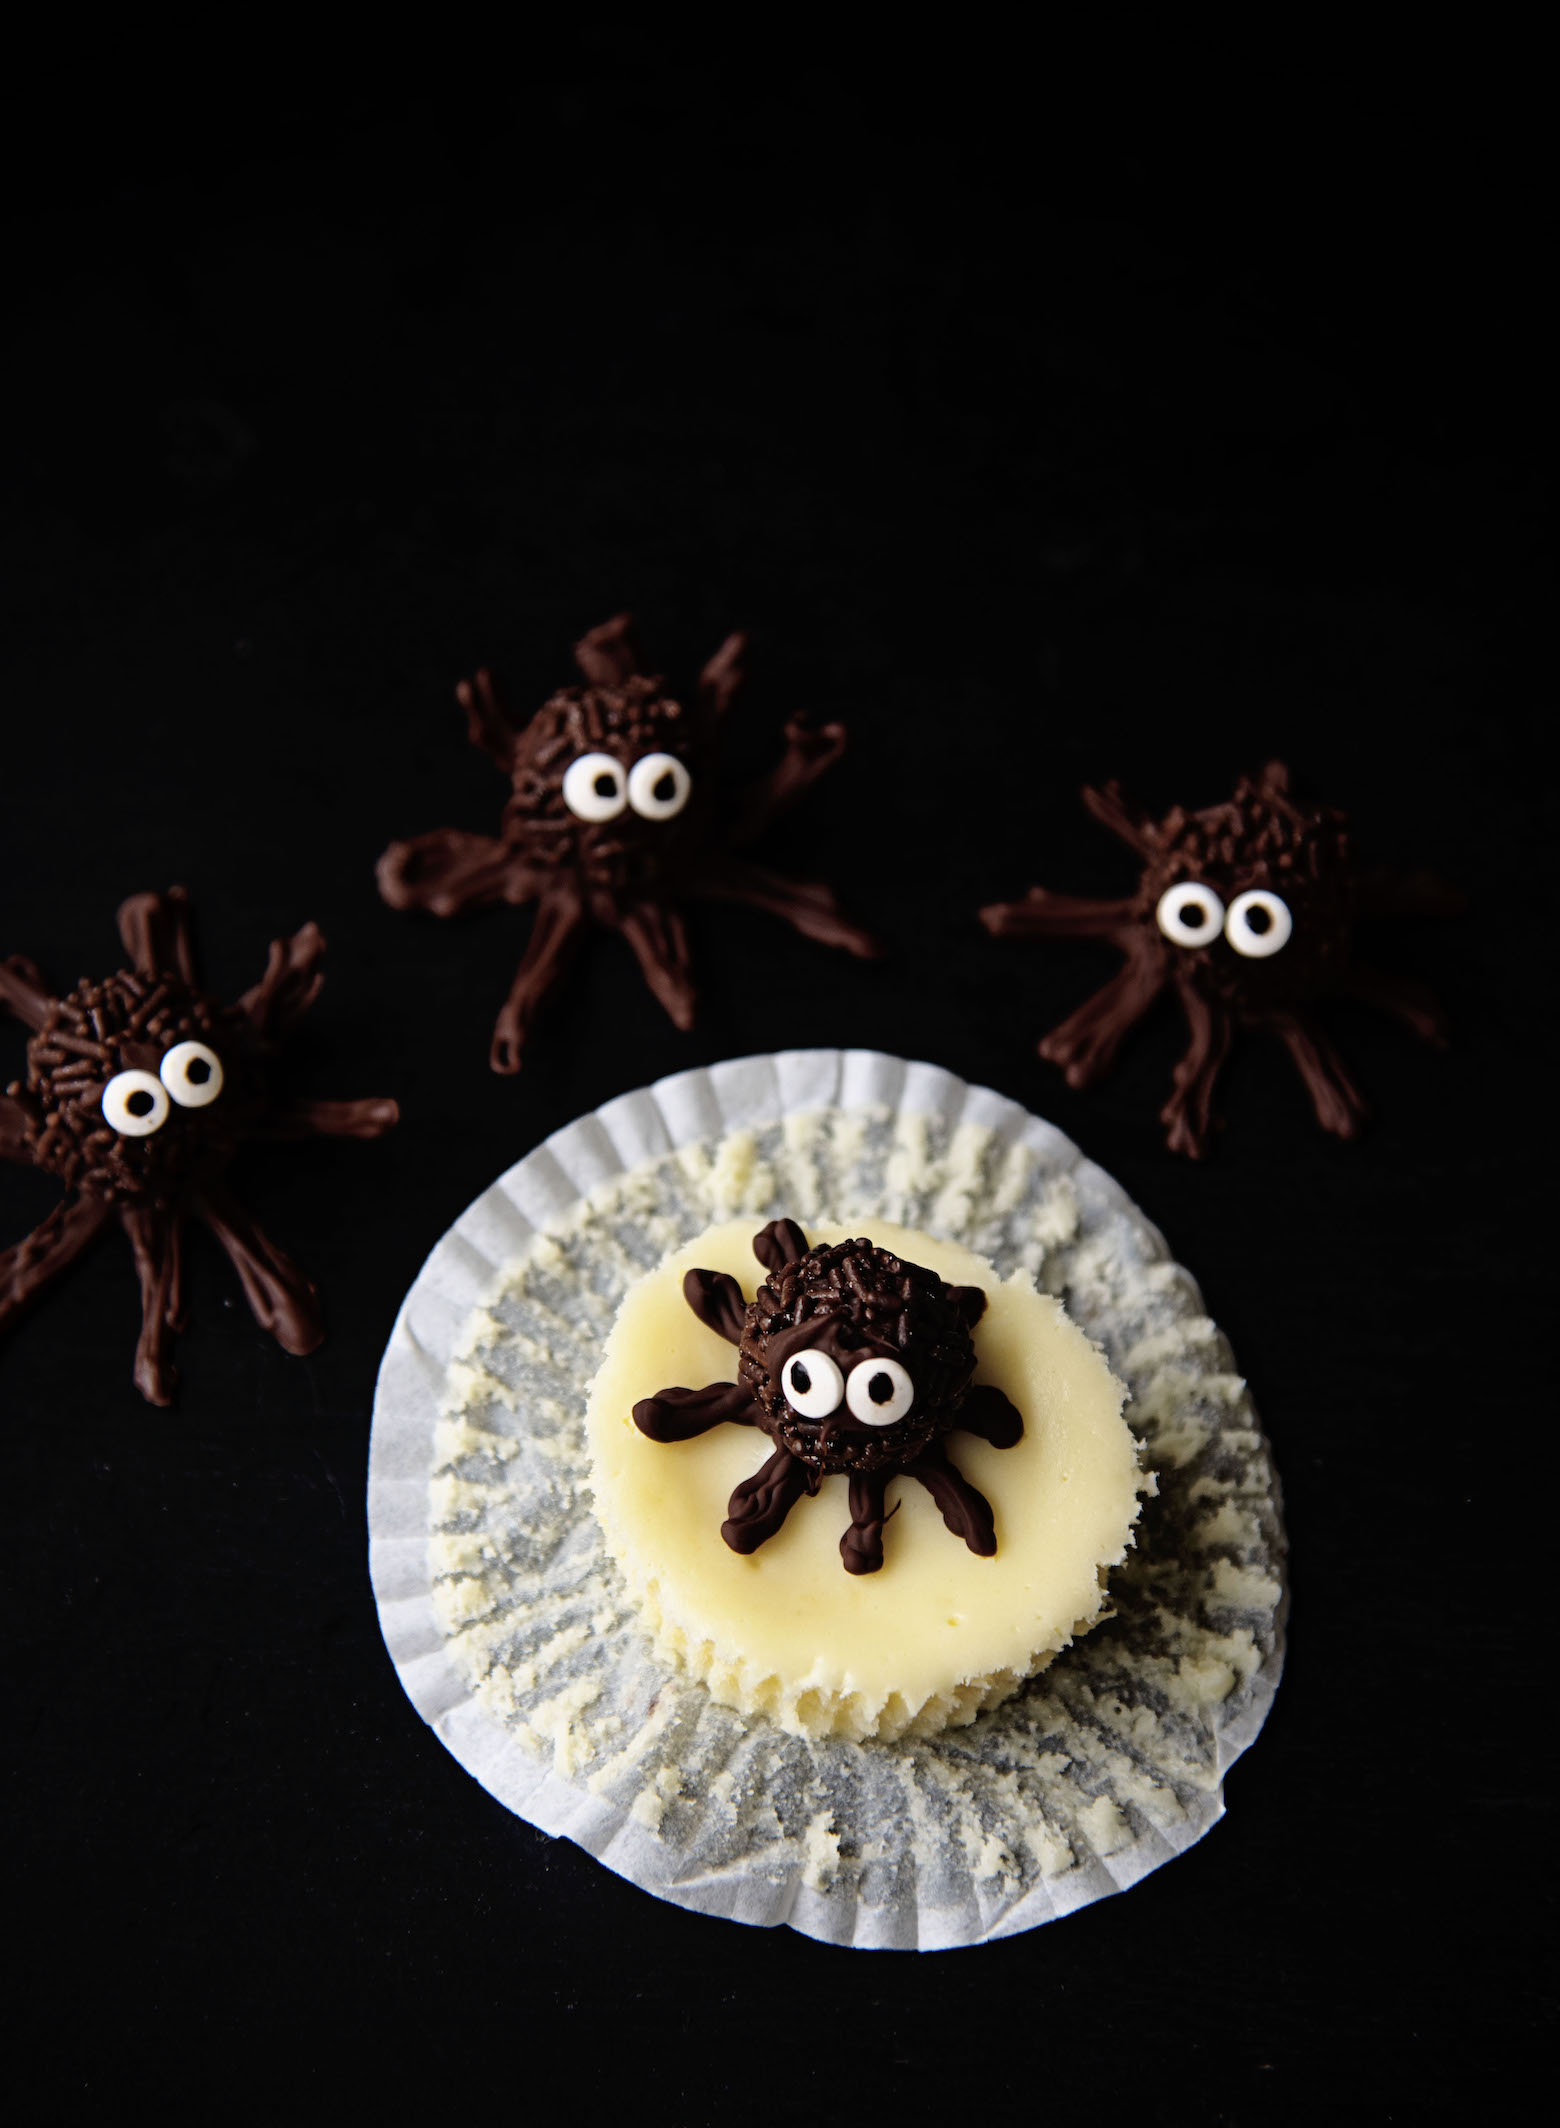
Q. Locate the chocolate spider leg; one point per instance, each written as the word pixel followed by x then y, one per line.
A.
pixel 966 1512
pixel 761 1503
pixel 556 932
pixel 1188 1114
pixel 606 656
pixel 1085 1044
pixel 155 929
pixel 448 871
pixel 21 987
pixel 809 753
pixel 806 905
pixel 332 1119
pixel 779 1244
pixel 13 1131
pixel 716 1299
pixel 861 1547
pixel 1401 995
pixel 722 676
pixel 1129 822
pixel 1043 915
pixel 488 729
pixel 292 981
pixel 27 1267
pixel 156 1240
pixel 987 1413
pixel 660 944
pixel 683 1414
pixel 281 1296
pixel 1338 1102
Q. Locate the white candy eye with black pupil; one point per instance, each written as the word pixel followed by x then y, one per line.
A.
pixel 192 1074
pixel 595 787
pixel 813 1385
pixel 658 786
pixel 878 1392
pixel 1190 914
pixel 1259 924
pixel 135 1104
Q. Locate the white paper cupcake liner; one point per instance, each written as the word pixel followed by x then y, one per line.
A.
pixel 515 1639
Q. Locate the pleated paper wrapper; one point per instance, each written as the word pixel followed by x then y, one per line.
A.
pixel 517 1642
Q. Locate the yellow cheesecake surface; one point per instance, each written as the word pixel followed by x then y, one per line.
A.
pixel 935 1635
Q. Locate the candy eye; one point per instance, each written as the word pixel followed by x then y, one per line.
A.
pixel 1190 914
pixel 879 1392
pixel 658 786
pixel 192 1074
pixel 1258 924
pixel 594 787
pixel 135 1104
pixel 813 1384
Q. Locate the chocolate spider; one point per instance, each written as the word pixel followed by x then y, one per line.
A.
pixel 614 820
pixel 852 1361
pixel 139 1090
pixel 1247 910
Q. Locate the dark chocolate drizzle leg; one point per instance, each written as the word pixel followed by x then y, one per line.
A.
pixel 987 1413
pixel 761 1503
pixel 606 656
pixel 333 1119
pixel 780 1243
pixel 1338 1102
pixel 449 871
pixel 1043 915
pixel 487 727
pixel 293 979
pixel 966 1512
pixel 660 945
pixel 683 1414
pixel 156 1239
pixel 27 1267
pixel 155 929
pixel 22 989
pixel 1085 1045
pixel 282 1298
pixel 716 1299
pixel 1407 1000
pixel 1188 1114
pixel 1130 823
pixel 810 752
pixel 722 676
pixel 861 1547
pixel 806 905
pixel 555 935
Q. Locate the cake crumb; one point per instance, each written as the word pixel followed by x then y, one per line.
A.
pixel 821 1852
pixel 1105 1825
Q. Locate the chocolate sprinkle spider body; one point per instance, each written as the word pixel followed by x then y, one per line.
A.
pixel 140 1088
pixel 854 1362
pixel 1248 912
pixel 614 820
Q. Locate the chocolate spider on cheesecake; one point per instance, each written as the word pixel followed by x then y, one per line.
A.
pixel 825 1352
pixel 896 1379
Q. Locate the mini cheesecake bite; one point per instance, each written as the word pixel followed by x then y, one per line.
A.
pixel 893 1408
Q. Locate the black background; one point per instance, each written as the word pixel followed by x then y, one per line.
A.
pixel 1037 460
